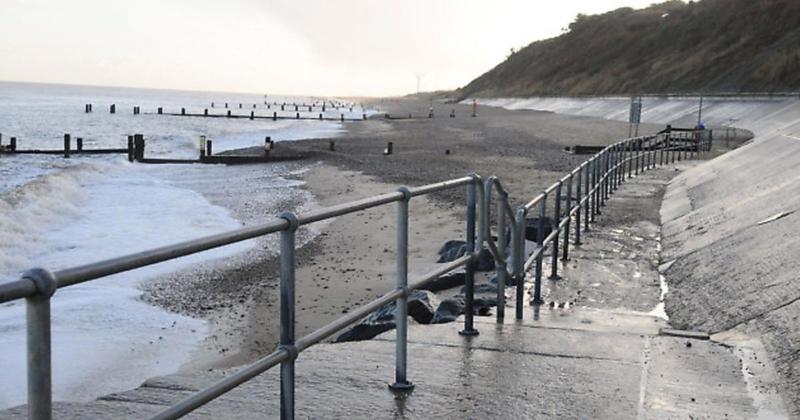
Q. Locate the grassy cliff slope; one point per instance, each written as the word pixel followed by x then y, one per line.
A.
pixel 672 47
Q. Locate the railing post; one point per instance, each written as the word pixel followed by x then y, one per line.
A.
pixel 630 157
pixel 620 161
pixel 401 314
pixel 519 259
pixel 469 280
pixel 37 314
pixel 587 205
pixel 556 226
pixel 578 203
pixel 638 149
pixel 604 180
pixel 565 253
pixel 537 287
pixel 501 271
pixel 287 315
pixel 595 208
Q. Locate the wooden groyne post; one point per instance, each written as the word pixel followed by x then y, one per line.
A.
pixel 138 147
pixel 130 149
pixel 112 109
pixel 66 145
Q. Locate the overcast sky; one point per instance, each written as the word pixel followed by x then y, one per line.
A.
pixel 314 47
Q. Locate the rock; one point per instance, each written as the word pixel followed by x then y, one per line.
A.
pixel 510 281
pixel 452 250
pixel 421 307
pixel 485 261
pixel 482 288
pixel 532 228
pixel 449 310
pixel 447 281
pixel 364 332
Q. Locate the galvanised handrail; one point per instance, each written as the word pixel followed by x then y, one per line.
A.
pixel 603 172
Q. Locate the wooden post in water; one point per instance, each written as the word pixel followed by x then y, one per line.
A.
pixel 113 109
pixel 298 115
pixel 202 147
pixel 320 116
pixel 240 106
pixel 160 110
pixel 130 148
pixel 274 115
pixel 252 115
pixel 388 150
pixel 12 145
pixel 205 112
pixel 332 146
pixel 138 147
pixel 79 144
pixel 209 148
pixel 229 113
pixel 66 145
pixel 341 117
pixel 183 111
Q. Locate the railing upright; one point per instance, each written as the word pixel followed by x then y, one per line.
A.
pixel 401 382
pixel 629 157
pixel 565 253
pixel 501 267
pixel 37 314
pixel 578 203
pixel 537 287
pixel 519 260
pixel 287 301
pixel 469 280
pixel 557 228
pixel 587 206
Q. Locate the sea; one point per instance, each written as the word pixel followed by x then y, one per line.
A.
pixel 57 213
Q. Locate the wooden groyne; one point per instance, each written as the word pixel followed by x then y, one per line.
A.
pixel 67 151
pixel 137 144
pixel 135 151
pixel 309 112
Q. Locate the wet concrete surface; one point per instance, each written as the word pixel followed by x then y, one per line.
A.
pixel 601 356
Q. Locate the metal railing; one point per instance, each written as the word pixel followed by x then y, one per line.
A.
pixel 593 182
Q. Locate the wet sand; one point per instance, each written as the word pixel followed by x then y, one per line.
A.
pixel 352 260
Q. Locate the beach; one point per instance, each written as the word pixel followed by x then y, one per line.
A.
pixel 350 260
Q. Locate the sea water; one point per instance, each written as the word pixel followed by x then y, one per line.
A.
pixel 58 213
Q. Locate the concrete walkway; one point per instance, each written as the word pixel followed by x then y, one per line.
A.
pixel 595 352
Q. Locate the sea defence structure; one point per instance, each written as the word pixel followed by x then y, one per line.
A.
pixel 604 365
pixel 571 205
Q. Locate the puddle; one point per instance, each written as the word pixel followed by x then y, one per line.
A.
pixel 659 310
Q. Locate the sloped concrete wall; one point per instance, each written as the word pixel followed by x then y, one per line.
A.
pixel 762 115
pixel 732 227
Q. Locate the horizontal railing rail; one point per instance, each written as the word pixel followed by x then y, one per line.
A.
pixel 587 188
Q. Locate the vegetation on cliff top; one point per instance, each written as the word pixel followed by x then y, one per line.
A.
pixel 709 46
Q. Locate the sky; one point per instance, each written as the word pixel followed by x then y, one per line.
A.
pixel 311 47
